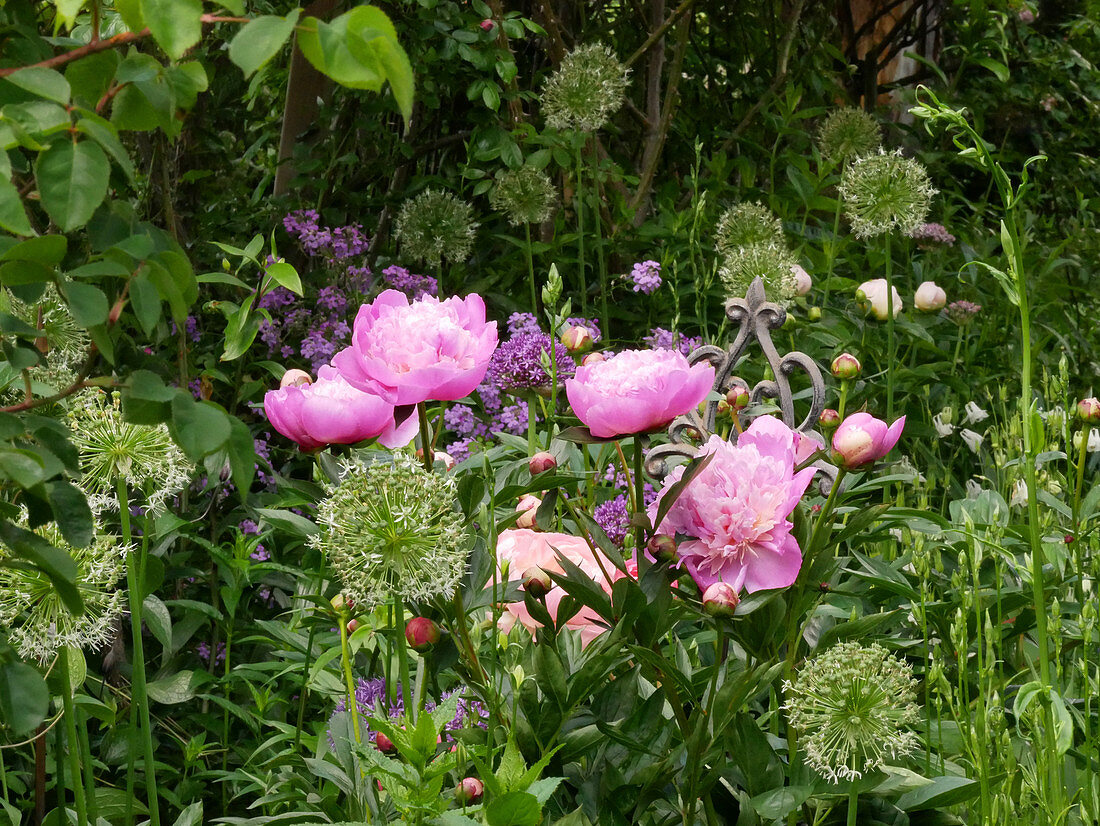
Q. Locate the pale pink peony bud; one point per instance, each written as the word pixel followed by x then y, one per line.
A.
pixel 541 462
pixel 720 600
pixel 527 506
pixel 421 633
pixel 929 297
pixel 295 378
pixel 871 295
pixel 802 281
pixel 577 339
pixel 469 791
pixel 737 397
pixel 1088 410
pixel 829 419
pixel 592 358
pixel 861 438
pixel 846 366
pixel 537 582
pixel 663 548
pixel 353 625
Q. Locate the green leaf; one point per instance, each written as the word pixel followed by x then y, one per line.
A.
pixel 260 40
pixel 372 40
pixel 72 181
pixel 198 427
pixel 24 697
pixel 288 521
pixel 71 513
pixel 242 455
pixel 16 273
pixel 67 10
pixel 47 250
pixel 130 11
pixel 944 791
pixel 145 299
pixel 13 216
pixel 514 809
pixel 158 619
pixel 147 400
pixel 178 688
pixel 175 24
pixel 46 83
pixel 24 467
pixel 778 803
pixel 994 66
pixel 286 276
pixel 104 133
pixel 87 303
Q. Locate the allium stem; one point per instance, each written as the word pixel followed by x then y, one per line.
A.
pixel 853 801
pixel 531 272
pixel 75 776
pixel 349 680
pixel 403 657
pixel 578 140
pixel 135 584
pixel 834 243
pixel 891 344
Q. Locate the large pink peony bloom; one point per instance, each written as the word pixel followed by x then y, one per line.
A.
pixel 427 350
pixel 637 391
pixel 524 549
pixel 736 510
pixel 332 412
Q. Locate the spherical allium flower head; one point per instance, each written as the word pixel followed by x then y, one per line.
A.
pixel 745 225
pixel 736 510
pixel 885 191
pixel 436 225
pixel 38 622
pixel 587 89
pixel 67 342
pixel 853 706
pixel 526 195
pixel 112 449
pixel 393 529
pixel 520 363
pixel 771 263
pixel 847 134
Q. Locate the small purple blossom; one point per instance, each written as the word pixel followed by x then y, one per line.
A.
pixel 512 419
pixel 261 554
pixel 962 312
pixel 248 527
pixel 662 339
pixel 204 652
pixel 646 277
pixel 517 364
pixel 412 285
pixel 522 323
pixel 927 235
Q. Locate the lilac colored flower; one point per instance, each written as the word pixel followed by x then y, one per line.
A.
pixel 261 554
pixel 517 363
pixel 317 349
pixel 662 339
pixel 512 419
pixel 277 299
pixel 490 396
pixel 522 324
pixel 460 449
pixel 195 386
pixel 370 701
pixel 248 527
pixel 932 234
pixel 335 243
pixel 614 514
pixel 736 510
pixel 425 350
pixel 637 391
pixel 646 277
pixel 414 286
pixel 330 298
pixel 460 419
pixel 962 312
pixel 204 652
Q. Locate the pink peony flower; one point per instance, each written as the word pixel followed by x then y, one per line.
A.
pixel 861 438
pixel 332 412
pixel 525 549
pixel 427 350
pixel 802 281
pixel 930 297
pixel 637 391
pixel 871 296
pixel 736 510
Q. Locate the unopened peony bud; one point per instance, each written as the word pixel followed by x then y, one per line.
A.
pixel 339 603
pixel 527 506
pixel 469 791
pixel 814 314
pixel 592 358
pixel 663 548
pixel 384 744
pixel 421 633
pixel 541 462
pixel 487 25
pixel 737 397
pixel 295 378
pixel 536 582
pixel 720 600
pixel 353 625
pixel 929 297
pixel 577 339
pixel 802 281
pixel 829 419
pixel 846 366
pixel 1088 410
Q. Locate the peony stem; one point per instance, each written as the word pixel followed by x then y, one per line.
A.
pixel 425 437
pixel 891 344
pixel 639 497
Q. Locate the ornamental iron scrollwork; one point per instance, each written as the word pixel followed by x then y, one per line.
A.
pixel 755 317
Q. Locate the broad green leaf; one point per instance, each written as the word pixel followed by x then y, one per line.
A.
pixel 372 40
pixel 198 427
pixel 53 562
pixel 325 45
pixel 286 276
pixel 159 620
pixel 44 249
pixel 179 688
pixel 131 13
pixel 514 809
pixel 260 40
pixel 104 133
pixel 947 790
pixel 71 513
pixel 87 303
pixel 287 521
pixel 994 66
pixel 242 455
pixel 13 217
pixel 72 181
pixel 24 697
pixel 67 10
pixel 91 77
pixel 145 299
pixel 24 467
pixel 46 83
pixel 176 25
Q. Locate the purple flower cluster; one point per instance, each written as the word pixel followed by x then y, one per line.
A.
pixel 370 699
pixel 321 328
pixel 646 277
pixel 204 652
pixel 248 528
pixel 662 339
pixel 412 285
pixel 263 453
pixel 932 234
pixel 517 364
pixel 962 312
pixel 336 244
pixel 614 514
pixel 260 554
pixel 522 323
pixel 191 326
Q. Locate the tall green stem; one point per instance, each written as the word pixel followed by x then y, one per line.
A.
pixel 639 499
pixel 853 803
pixel 402 653
pixel 349 678
pixel 531 272
pixel 834 244
pixel 891 344
pixel 71 742
pixel 425 436
pixel 135 583
pixel 580 230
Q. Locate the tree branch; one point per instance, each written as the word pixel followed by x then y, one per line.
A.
pixel 659 32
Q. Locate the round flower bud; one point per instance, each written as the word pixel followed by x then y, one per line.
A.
pixel 486 25
pixel 592 358
pixel 527 506
pixel 295 378
pixel 469 791
pixel 929 297
pixel 339 603
pixel 720 600
pixel 829 419
pixel 421 633
pixel 537 582
pixel 577 339
pixel 384 744
pixel 353 625
pixel 541 462
pixel 846 366
pixel 802 281
pixel 737 397
pixel 1088 410
pixel 663 548
pixel 814 314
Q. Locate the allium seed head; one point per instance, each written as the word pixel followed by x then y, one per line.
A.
pixel 847 134
pixel 586 90
pixel 747 224
pixel 436 225
pixel 526 195
pixel 769 262
pixel 884 192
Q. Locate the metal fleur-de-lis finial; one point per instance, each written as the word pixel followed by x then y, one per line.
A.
pixel 755 317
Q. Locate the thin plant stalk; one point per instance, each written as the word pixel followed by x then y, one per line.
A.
pixel 531 271
pixel 135 577
pixel 402 654
pixel 891 344
pixel 853 804
pixel 349 679
pixel 639 499
pixel 71 741
pixel 580 229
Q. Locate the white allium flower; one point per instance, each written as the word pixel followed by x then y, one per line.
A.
pixel 526 195
pixel 393 529
pixel 38 622
pixel 110 448
pixel 770 262
pixel 586 90
pixel 852 707
pixel 436 225
pixel 884 192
